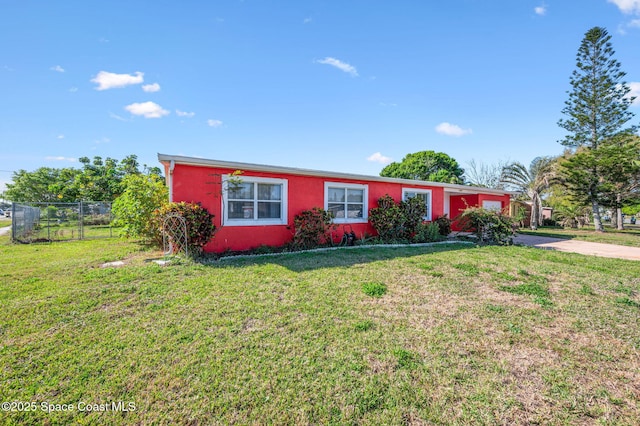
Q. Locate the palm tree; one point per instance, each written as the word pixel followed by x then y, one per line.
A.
pixel 532 181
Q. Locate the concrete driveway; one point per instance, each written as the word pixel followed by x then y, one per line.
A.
pixel 582 247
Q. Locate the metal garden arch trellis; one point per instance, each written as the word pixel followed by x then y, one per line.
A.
pixel 174 234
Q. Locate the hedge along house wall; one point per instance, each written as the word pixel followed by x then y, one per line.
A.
pixel 212 183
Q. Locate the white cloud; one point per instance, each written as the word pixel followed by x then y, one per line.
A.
pixel 379 158
pixel 60 158
pixel 147 109
pixel 117 117
pixel 342 66
pixel 635 91
pixel 57 68
pixel 108 80
pixel 633 23
pixel 451 129
pixel 214 123
pixel 541 10
pixel 185 114
pixel 627 6
pixel 150 88
pixel 60 137
pixel 306 20
pixel 73 89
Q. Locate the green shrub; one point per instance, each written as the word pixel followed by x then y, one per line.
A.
pixel 50 212
pixel 444 225
pixel 100 219
pixel 398 222
pixel 489 226
pixel 427 233
pixel 374 289
pixel 200 226
pixel 134 209
pixel 264 249
pixel 388 219
pixel 413 212
pixel 312 228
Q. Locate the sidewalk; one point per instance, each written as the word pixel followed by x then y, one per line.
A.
pixel 581 247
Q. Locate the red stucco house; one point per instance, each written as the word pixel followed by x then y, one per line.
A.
pixel 255 204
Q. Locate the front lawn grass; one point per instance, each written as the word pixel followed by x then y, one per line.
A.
pixel 462 335
pixel 627 237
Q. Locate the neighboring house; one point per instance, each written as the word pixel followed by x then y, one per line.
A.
pixel 525 206
pixel 255 204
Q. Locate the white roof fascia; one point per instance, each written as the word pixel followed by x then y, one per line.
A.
pixel 449 187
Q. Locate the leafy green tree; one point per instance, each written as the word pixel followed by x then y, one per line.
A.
pixel 620 165
pixel 426 165
pixel 532 182
pixel 134 209
pixel 619 181
pixel 41 185
pixel 566 210
pixel 631 209
pixel 98 180
pixel 129 165
pixel 597 113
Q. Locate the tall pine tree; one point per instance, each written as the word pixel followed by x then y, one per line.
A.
pixel 597 111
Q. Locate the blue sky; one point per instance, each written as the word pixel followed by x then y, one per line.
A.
pixel 331 85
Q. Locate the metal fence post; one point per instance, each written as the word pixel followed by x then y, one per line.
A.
pixel 48 222
pixel 13 221
pixel 80 221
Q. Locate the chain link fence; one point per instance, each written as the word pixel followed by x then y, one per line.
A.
pixel 48 222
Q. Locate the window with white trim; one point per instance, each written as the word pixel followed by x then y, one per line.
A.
pixel 254 201
pixel 347 202
pixel 422 194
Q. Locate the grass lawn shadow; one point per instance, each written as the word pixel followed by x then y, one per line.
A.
pixel 310 260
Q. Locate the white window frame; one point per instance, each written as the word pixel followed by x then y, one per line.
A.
pixel 365 201
pixel 429 192
pixel 228 180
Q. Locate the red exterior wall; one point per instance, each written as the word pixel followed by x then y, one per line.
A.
pixel 204 185
pixel 458 203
